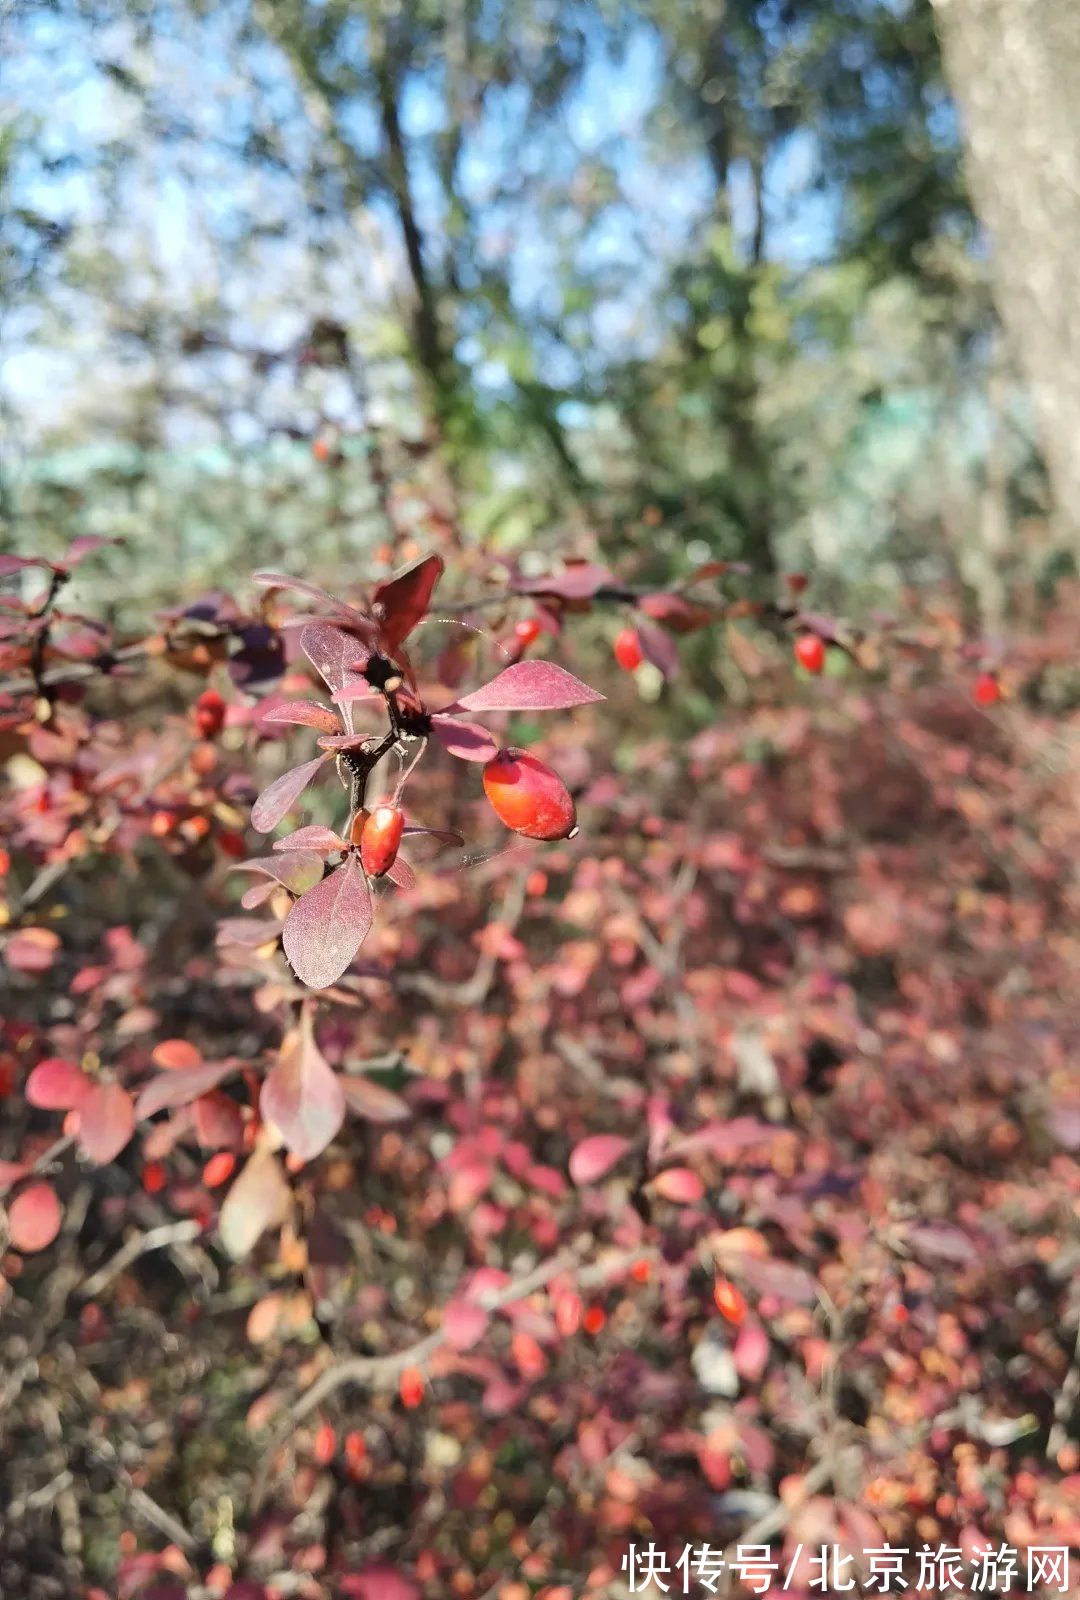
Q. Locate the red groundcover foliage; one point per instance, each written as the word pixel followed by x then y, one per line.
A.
pixel 696 1174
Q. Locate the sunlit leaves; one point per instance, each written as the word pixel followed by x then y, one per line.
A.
pixel 259 1199
pixel 327 925
pixel 302 1096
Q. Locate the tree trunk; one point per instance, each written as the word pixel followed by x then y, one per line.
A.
pixel 1014 66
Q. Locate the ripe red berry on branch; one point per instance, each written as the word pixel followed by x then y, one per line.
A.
pixel 528 796
pixel 627 650
pixel 380 838
pixel 209 713
pixel 810 653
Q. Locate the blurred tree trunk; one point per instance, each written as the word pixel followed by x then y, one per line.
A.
pixel 1014 66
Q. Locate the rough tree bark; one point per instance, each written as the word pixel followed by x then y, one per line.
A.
pixel 1014 67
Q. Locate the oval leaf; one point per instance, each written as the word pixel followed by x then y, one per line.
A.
pixel 371 1100
pixel 680 1185
pixel 401 601
pixel 466 740
pixel 306 713
pixel 327 926
pixel 106 1122
pixel 315 837
pixel 179 1088
pixel 177 1055
pixel 595 1156
pixel 302 1095
pixel 531 686
pixel 282 795
pixel 57 1085
pixel 259 1199
pixel 34 1218
pixel 463 1324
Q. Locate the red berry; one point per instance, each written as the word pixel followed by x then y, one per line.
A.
pixel 234 844
pixel 729 1302
pixel 154 1177
pixel 527 630
pixel 987 690
pixel 162 823
pixel 594 1320
pixel 810 653
pixel 380 838
pixel 5 863
pixel 209 713
pixel 219 1169
pixel 320 449
pixel 628 651
pixel 324 1444
pixel 528 797
pixel 411 1387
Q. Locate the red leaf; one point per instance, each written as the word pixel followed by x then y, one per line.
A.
pixel 34 1218
pixel 177 1055
pixel 305 713
pixel 579 581
pixel 283 794
pixel 466 740
pixel 682 616
pixel 259 1199
pixel 401 601
pixel 332 653
pixel 402 874
pixel 106 1122
pixel 327 926
pixel 302 1095
pixel 531 686
pixel 463 1324
pixel 337 608
pixel 324 840
pixel 659 648
pixel 595 1156
pixel 379 1582
pixel 87 544
pixel 32 950
pixel 680 1185
pixel 180 1087
pixel 297 870
pixel 751 1352
pixel 57 1085
pixel 218 1123
pixel 371 1100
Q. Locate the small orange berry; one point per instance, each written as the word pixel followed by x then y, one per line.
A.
pixel 209 713
pixel 154 1177
pixel 641 1271
pixel 527 630
pixel 380 838
pixel 594 1319
pixel 729 1302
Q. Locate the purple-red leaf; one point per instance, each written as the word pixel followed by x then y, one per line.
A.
pixel 659 648
pixel 401 601
pixel 259 1199
pixel 34 1218
pixel 327 926
pixel 400 873
pixel 332 653
pixel 595 1156
pixel 315 837
pixel 337 608
pixel 531 686
pixel 463 1324
pixel 302 1095
pixel 680 1185
pixel 57 1085
pixel 579 581
pixel 106 1122
pixel 305 713
pixel 373 1101
pixel 466 740
pixel 282 795
pixel 179 1088
pixel 296 870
